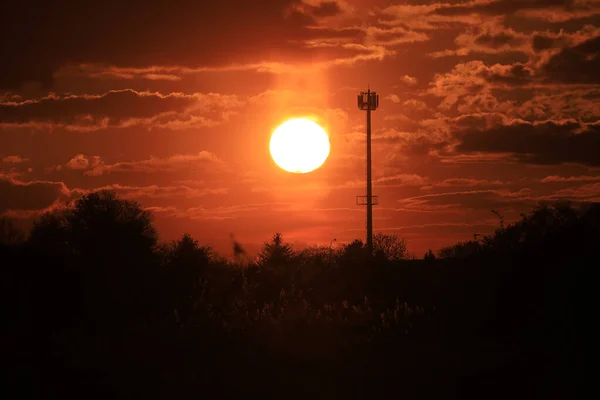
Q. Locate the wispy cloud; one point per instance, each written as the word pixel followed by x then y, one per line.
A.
pixel 30 195
pixel 14 160
pixel 119 109
pixel 159 192
pixel 562 179
pixel 176 162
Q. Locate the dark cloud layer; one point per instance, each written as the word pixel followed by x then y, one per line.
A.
pixel 505 7
pixel 579 64
pixel 544 143
pixel 44 36
pixel 115 104
pixel 119 109
pixel 36 195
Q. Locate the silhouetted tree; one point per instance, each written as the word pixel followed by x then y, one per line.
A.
pixel 389 246
pixel 187 252
pixel 353 254
pixel 104 227
pixel 9 234
pixel 50 233
pixel 320 256
pixel 532 230
pixel 500 218
pixel 184 262
pixel 354 248
pixel 112 243
pixel 460 249
pixel 276 252
pixel 429 255
pixel 527 301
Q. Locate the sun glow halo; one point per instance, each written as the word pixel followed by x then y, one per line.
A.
pixel 299 145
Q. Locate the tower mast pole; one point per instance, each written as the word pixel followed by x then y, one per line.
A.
pixel 368 101
pixel 369 182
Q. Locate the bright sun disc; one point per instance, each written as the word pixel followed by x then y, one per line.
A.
pixel 299 145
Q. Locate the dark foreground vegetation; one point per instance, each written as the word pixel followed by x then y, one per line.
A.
pixel 95 307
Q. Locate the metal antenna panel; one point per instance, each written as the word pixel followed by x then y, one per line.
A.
pixel 368 100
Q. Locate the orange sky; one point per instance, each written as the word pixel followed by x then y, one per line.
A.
pixel 484 104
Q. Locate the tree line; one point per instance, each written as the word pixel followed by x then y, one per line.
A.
pixel 95 274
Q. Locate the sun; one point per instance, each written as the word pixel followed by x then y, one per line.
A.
pixel 299 145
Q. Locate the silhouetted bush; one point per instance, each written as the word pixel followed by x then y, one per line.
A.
pixel 95 303
pixel 429 255
pixel 545 224
pixel 9 234
pixel 389 246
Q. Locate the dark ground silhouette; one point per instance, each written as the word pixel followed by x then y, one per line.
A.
pixel 94 306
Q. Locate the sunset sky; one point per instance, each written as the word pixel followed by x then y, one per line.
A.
pixel 484 104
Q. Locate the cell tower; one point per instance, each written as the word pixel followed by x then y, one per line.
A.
pixel 368 101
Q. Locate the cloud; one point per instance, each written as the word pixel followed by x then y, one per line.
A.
pixel 488 38
pixel 216 213
pixel 553 57
pixel 550 142
pixel 274 37
pixel 83 33
pixel 479 158
pixel 14 160
pixel 159 192
pixel 527 8
pixel 392 36
pixel 579 64
pixel 402 180
pixel 53 168
pixel 477 78
pixel 33 195
pixel 415 104
pixel 393 98
pixel 572 10
pixel 409 80
pixel 471 199
pixel 82 162
pixel 462 182
pixel 468 86
pixel 118 109
pixel 176 162
pixel 447 227
pixel 424 17
pixel 27 199
pixel 450 15
pixel 284 35
pixel 520 90
pixel 562 179
pixel 589 192
pixel 398 180
pixel 554 42
pixel 324 52
pixel 317 8
pixel 578 104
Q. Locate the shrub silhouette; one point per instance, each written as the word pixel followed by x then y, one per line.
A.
pixel 92 295
pixel 544 223
pixel 9 234
pixel 429 255
pixel 50 234
pixel 353 252
pixel 389 246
